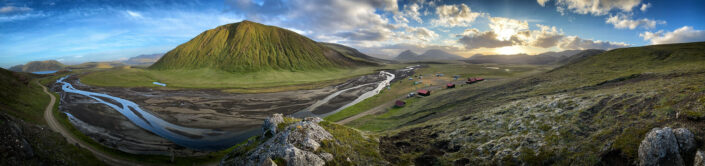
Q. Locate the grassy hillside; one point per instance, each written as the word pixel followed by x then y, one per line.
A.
pixel 247 47
pixel 35 66
pixel 592 111
pixel 355 54
pixel 22 104
pixel 22 98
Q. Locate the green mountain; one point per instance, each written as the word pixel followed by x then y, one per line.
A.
pixel 35 66
pixel 248 46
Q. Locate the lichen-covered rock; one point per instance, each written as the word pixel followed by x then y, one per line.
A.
pixel 270 124
pixel 296 144
pixel 660 147
pixel 686 141
pixel 269 162
pixel 699 158
pixel 327 156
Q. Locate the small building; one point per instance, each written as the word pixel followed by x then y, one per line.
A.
pixel 399 103
pixel 450 85
pixel 471 80
pixel 424 92
pixel 480 79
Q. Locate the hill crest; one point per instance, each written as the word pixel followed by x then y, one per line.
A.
pixel 35 66
pixel 248 46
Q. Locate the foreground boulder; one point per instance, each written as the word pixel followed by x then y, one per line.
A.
pixel 296 144
pixel 309 142
pixel 699 159
pixel 667 147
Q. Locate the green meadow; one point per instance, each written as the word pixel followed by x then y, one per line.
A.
pixel 212 78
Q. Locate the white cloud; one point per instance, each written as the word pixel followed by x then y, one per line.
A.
pixel 624 21
pixel 486 39
pixel 505 28
pixel 455 15
pixel 133 14
pixel 576 43
pixel 365 34
pixel 16 17
pixel 14 9
pixel 594 7
pixel 680 35
pixel 545 37
pixel 506 32
pixel 542 2
pixel 645 6
pixel 412 11
pixel 422 33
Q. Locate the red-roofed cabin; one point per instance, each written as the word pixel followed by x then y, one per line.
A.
pixel 423 92
pixel 450 85
pixel 471 80
pixel 480 79
pixel 399 103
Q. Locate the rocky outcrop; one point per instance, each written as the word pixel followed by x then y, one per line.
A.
pixel 699 158
pixel 25 143
pixel 270 124
pixel 296 144
pixel 664 146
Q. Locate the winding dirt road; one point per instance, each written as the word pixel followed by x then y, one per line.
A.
pixel 56 126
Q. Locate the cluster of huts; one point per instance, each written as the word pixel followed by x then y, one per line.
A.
pixel 427 92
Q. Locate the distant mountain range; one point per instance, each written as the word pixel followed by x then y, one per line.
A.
pixel 540 59
pixel 147 59
pixel 248 46
pixel 430 55
pixel 35 66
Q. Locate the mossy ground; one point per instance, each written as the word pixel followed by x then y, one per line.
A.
pixel 583 113
pixel 404 86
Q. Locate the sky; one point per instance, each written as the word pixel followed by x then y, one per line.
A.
pixel 75 31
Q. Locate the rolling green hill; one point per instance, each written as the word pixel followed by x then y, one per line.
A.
pixel 592 111
pixel 26 138
pixel 248 46
pixel 35 66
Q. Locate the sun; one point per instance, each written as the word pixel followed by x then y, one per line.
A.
pixel 508 50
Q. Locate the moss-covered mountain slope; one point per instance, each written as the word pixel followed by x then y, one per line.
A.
pixel 248 46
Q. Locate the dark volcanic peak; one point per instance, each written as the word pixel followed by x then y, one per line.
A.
pixel 436 54
pixel 406 55
pixel 249 46
pixel 432 54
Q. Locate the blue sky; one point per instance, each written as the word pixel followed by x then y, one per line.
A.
pixel 104 30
